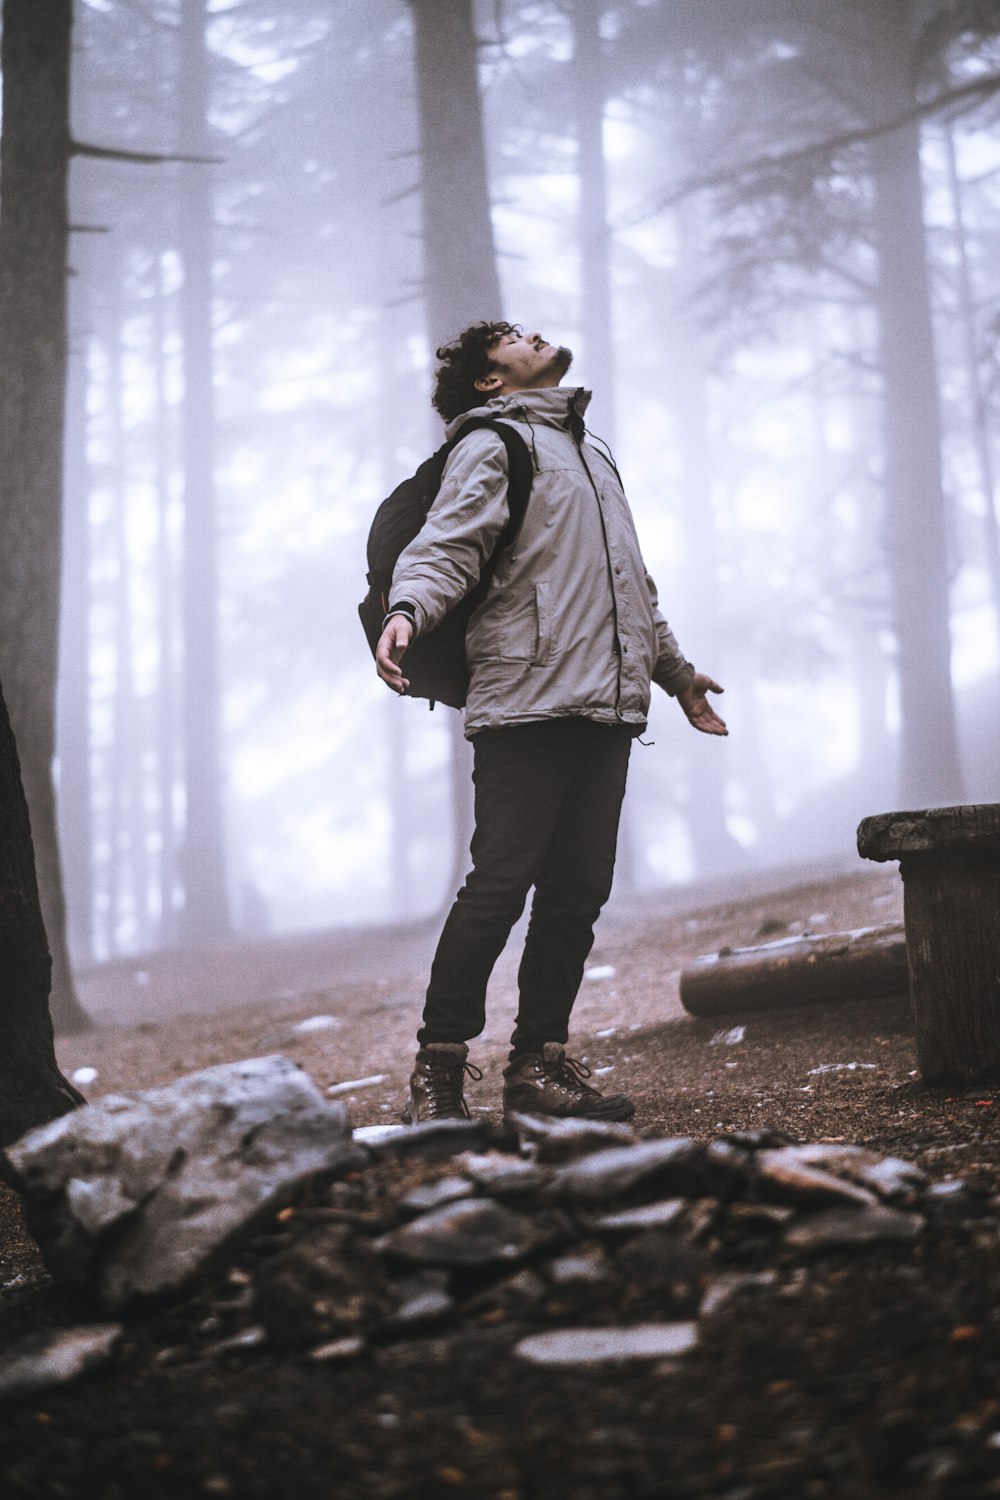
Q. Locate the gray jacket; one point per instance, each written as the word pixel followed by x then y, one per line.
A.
pixel 570 625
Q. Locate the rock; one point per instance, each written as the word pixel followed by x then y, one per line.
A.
pixel 954 1200
pixel 41 1360
pixel 787 1177
pixel 437 1138
pixel 556 1140
pixel 676 1164
pixel 433 1194
pixel 579 1269
pixel 424 1299
pixel 647 1216
pixel 328 1285
pixel 588 1346
pixel 888 1176
pixel 336 1351
pixel 836 1228
pixel 500 1173
pixel 476 1232
pixel 132 1197
pixel 722 1289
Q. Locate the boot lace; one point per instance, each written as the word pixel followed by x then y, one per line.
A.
pixel 571 1073
pixel 444 1084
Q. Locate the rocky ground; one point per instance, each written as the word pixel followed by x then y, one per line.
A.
pixel 333 1356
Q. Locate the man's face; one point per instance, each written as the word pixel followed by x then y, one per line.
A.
pixel 524 362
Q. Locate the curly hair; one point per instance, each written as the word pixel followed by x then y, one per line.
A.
pixel 464 361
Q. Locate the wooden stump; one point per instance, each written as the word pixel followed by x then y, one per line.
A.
pixel 949 858
pixel 810 969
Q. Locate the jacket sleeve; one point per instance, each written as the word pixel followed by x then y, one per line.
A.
pixel 470 510
pixel 672 673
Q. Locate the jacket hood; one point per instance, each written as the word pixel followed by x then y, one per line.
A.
pixel 552 406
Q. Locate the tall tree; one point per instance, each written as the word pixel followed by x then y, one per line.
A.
pixel 32 1089
pixel 206 909
pixel 461 283
pixel 34 160
pixel 839 204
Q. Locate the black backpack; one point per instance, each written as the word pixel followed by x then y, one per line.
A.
pixel 435 662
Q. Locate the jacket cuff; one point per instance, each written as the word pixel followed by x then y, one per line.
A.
pixel 404 608
pixel 674 680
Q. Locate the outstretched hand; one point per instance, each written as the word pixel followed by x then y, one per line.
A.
pixel 696 706
pixel 392 644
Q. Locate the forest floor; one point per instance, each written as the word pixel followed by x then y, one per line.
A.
pixel 862 1374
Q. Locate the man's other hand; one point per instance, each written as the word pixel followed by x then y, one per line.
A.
pixel 389 652
pixel 696 706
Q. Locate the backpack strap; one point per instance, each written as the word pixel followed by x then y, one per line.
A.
pixel 520 473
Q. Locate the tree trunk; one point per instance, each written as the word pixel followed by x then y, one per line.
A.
pixel 461 285
pixel 34 156
pixel 916 541
pixel 595 241
pixel 32 1089
pixel 205 917
pixel 981 437
pixel 75 791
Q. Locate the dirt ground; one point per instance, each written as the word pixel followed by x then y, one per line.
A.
pixel 861 1376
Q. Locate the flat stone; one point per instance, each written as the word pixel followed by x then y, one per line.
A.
pixel 476 1232
pixel 433 1194
pixel 500 1173
pixel 579 1270
pixel 589 1346
pixel 835 1228
pixel 647 1216
pixel 785 1176
pixel 438 1138
pixel 556 1140
pixel 676 1164
pixel 131 1197
pixel 888 1176
pixel 42 1360
pixel 336 1351
pixel 423 1305
pixel 722 1290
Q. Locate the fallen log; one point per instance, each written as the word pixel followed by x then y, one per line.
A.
pixel 949 858
pixel 809 969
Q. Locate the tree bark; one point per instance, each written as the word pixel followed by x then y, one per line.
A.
pixel 461 284
pixel 916 541
pixel 34 157
pixel 32 1089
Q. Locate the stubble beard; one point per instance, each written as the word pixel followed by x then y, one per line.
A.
pixel 561 360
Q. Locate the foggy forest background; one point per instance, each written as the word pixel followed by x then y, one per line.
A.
pixel 768 228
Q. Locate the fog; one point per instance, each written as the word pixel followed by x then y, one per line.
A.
pixel 770 243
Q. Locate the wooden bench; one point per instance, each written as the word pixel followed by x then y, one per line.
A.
pixel 949 858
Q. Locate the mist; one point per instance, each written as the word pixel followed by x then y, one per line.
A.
pixel 769 244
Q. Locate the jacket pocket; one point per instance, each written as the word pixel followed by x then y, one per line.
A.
pixel 508 629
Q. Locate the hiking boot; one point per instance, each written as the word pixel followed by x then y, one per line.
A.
pixel 550 1083
pixel 436 1083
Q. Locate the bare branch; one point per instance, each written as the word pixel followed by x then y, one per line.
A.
pixel 140 158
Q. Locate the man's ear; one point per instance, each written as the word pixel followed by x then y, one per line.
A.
pixel 490 382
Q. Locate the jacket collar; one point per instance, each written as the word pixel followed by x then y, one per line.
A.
pixel 554 406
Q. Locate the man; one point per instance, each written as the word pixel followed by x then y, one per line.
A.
pixel 561 655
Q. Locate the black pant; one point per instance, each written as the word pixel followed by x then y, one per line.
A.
pixel 548 799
